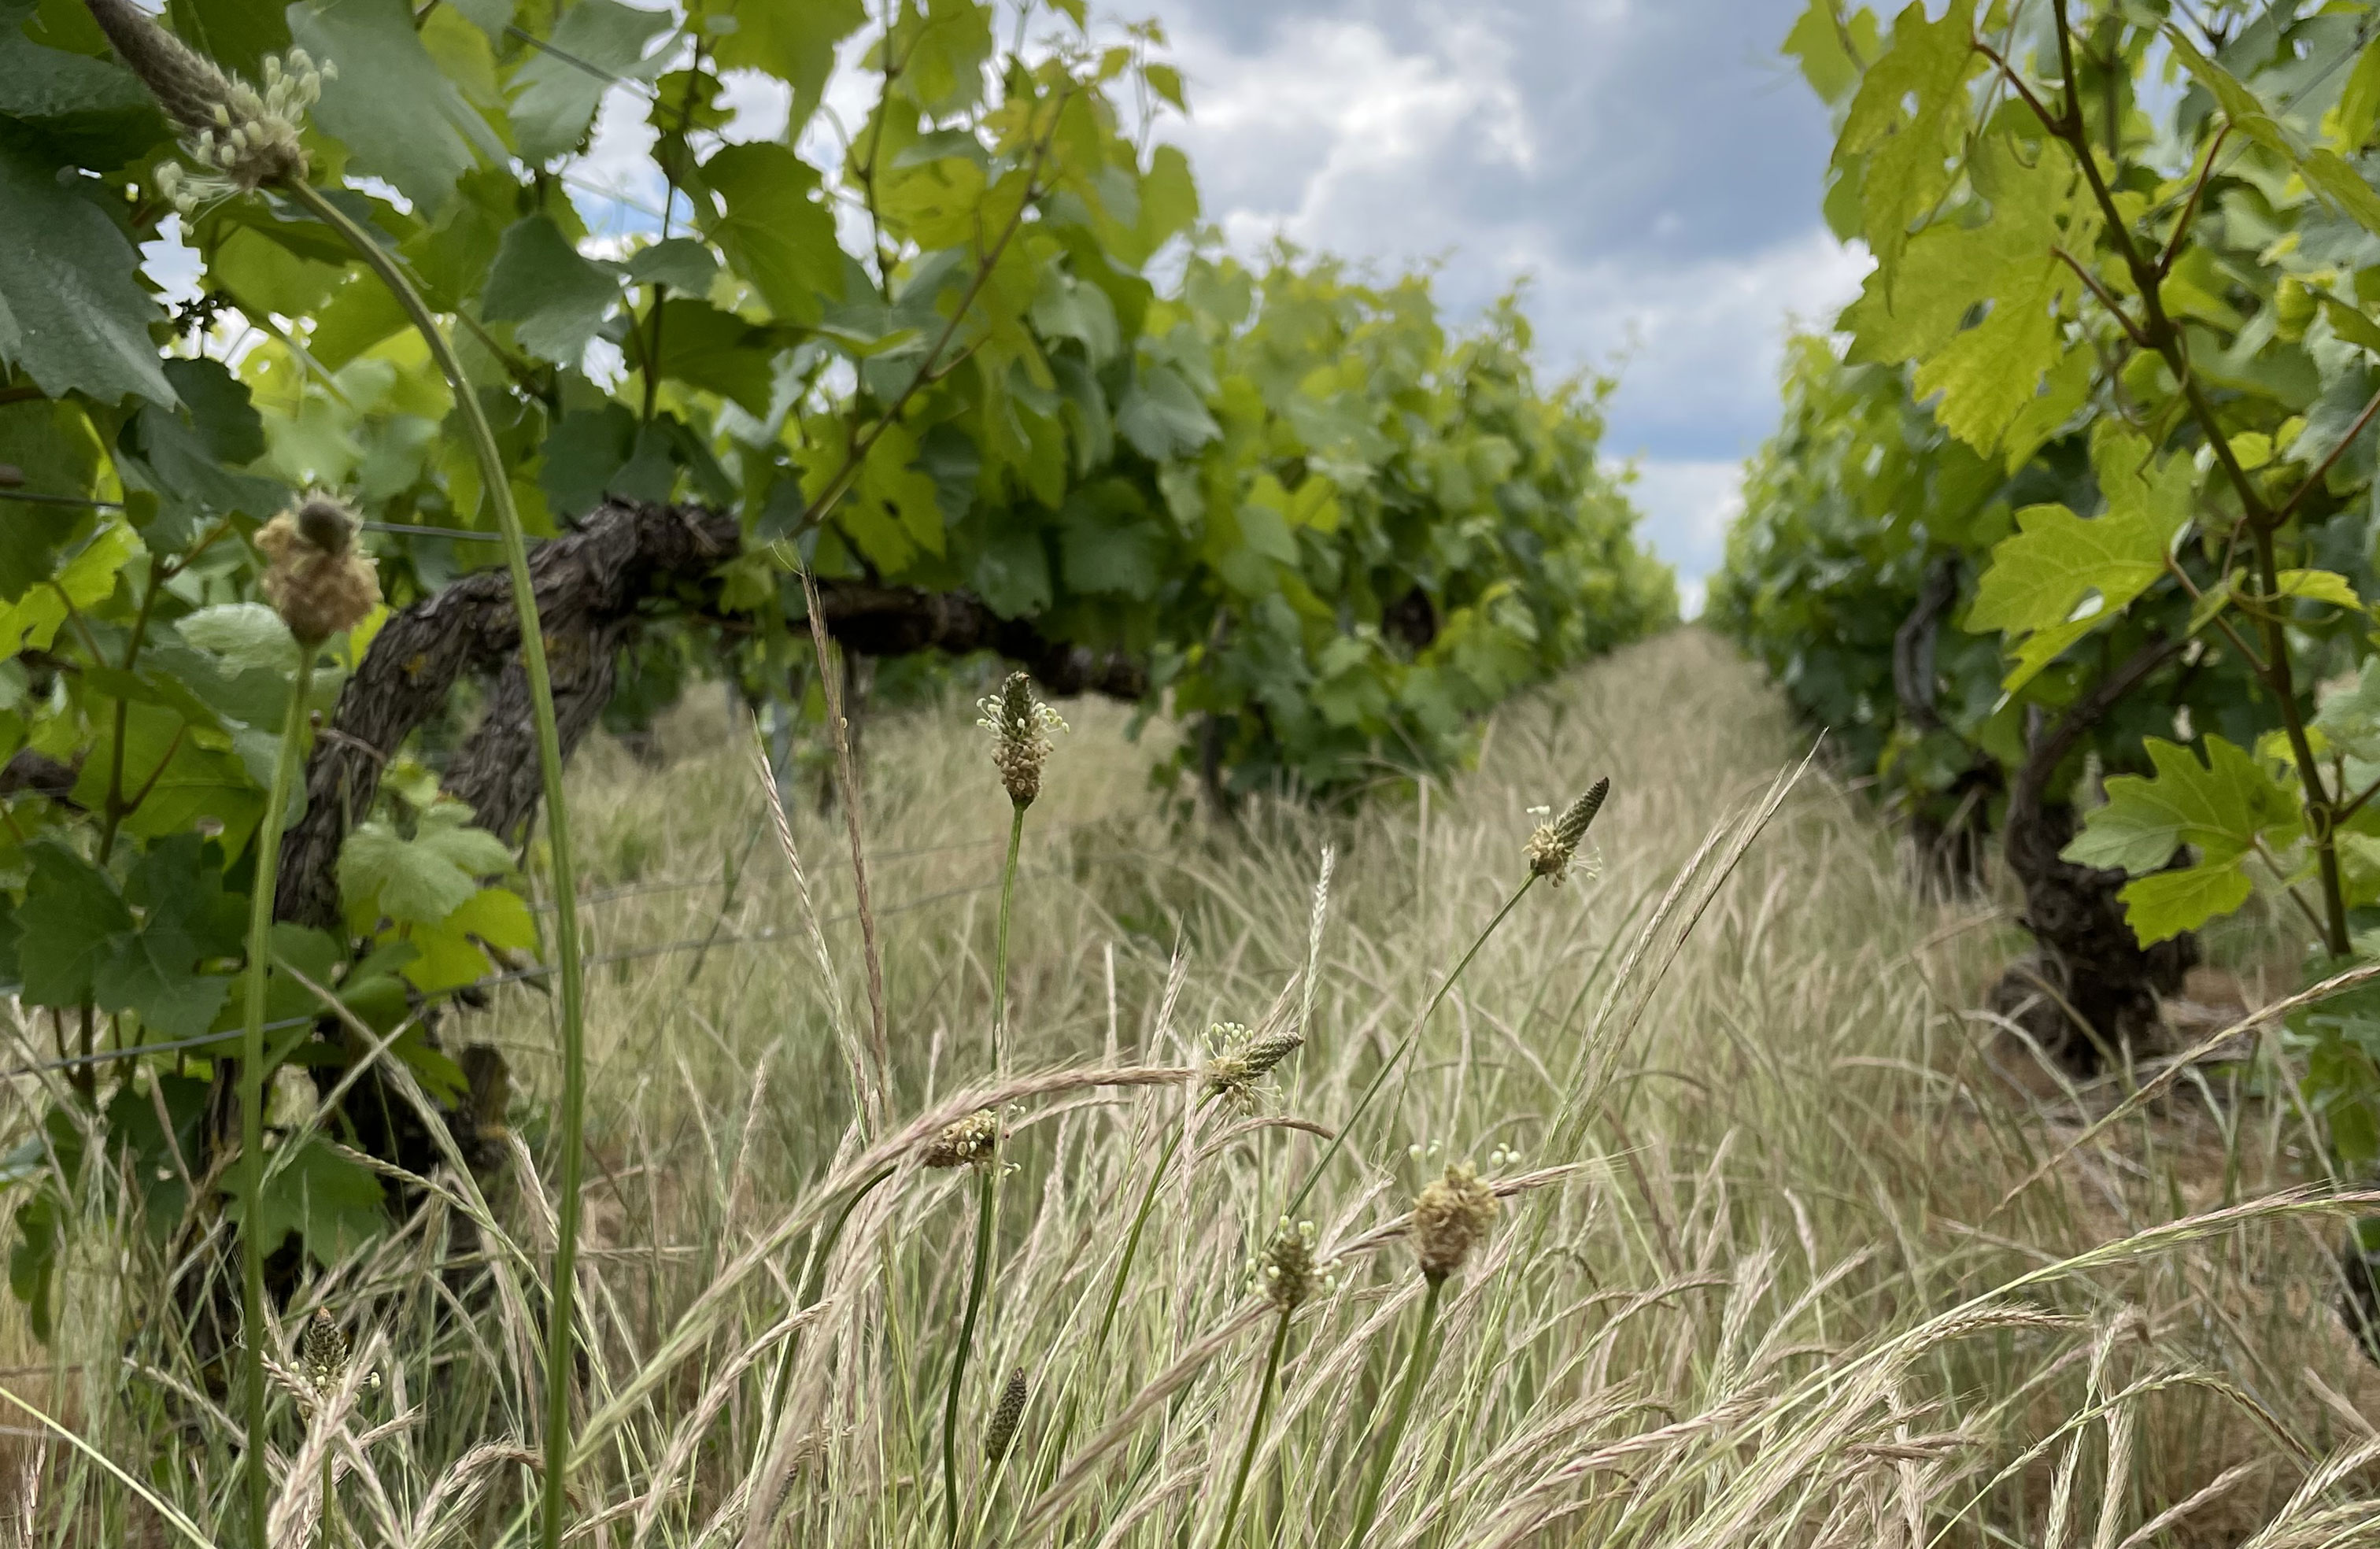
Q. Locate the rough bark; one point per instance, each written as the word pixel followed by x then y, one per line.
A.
pixel 2091 987
pixel 899 621
pixel 1947 858
pixel 1912 646
pixel 592 586
pixel 589 586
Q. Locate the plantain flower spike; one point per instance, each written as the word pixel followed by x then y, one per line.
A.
pixel 1005 1418
pixel 1288 1272
pixel 1555 844
pixel 322 1354
pixel 240 137
pixel 970 1141
pixel 1020 725
pixel 1449 1219
pixel 315 578
pixel 1239 1060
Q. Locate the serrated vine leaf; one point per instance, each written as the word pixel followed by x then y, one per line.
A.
pixel 2062 576
pixel 331 1202
pixel 1908 118
pixel 2165 904
pixel 396 113
pixel 71 316
pixel 555 298
pixel 422 880
pixel 2219 808
pixel 557 89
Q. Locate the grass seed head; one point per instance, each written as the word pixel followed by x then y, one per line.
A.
pixel 1287 1271
pixel 1239 1060
pixel 1450 1219
pixel 1020 725
pixel 241 138
pixel 323 1351
pixel 315 577
pixel 970 1142
pixel 1555 844
pixel 1005 1418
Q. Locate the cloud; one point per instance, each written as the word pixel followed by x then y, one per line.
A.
pixel 1652 168
pixel 1687 508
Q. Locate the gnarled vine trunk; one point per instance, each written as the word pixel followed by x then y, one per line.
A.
pixel 2091 987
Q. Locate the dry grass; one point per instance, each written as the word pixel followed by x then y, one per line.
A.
pixel 1751 1285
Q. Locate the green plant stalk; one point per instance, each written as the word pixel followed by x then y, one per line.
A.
pixel 559 1331
pixel 999 949
pixel 1132 1238
pixel 987 1186
pixel 1404 1047
pixel 1368 1505
pixel 1255 1428
pixel 260 895
pixel 325 1535
pixel 986 1202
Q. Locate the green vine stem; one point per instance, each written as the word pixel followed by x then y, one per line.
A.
pixel 1368 1505
pixel 559 1339
pixel 252 1092
pixel 1256 1427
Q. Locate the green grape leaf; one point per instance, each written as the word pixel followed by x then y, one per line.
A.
pixel 264 276
pixel 166 751
pixel 1908 118
pixel 151 974
pixel 2350 716
pixel 682 263
pixel 2330 174
pixel 87 112
pixel 795 43
pixel 2060 575
pixel 1166 81
pixel 71 916
pixel 2220 808
pixel 944 44
pixel 2165 904
pixel 716 350
pixel 555 298
pixel 360 314
pixel 1161 416
pixel 2318 586
pixel 773 233
pixel 2350 324
pixel 420 881
pixel 557 90
pixel 1169 200
pixel 72 316
pixel 389 103
pixel 237 34
pixel 2358 110
pixel 53 448
pixel 243 635
pixel 221 409
pixel 1817 43
pixel 2238 104
pixel 35 618
pixel 333 1202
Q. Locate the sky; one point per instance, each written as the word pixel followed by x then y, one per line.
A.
pixel 1653 167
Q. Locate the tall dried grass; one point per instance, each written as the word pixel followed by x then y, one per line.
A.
pixel 1751 1282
